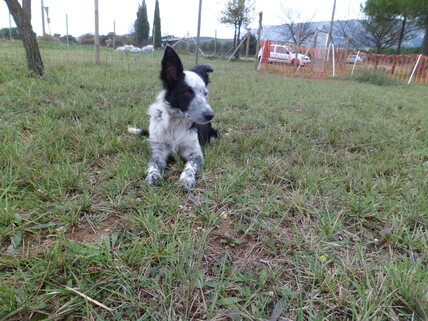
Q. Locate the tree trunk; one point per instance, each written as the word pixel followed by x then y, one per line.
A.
pixel 234 38
pixel 424 49
pixel 400 38
pixel 238 41
pixel 26 6
pixel 22 17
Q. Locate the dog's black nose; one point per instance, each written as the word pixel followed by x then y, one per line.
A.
pixel 208 115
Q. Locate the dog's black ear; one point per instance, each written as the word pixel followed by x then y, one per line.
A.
pixel 172 68
pixel 203 70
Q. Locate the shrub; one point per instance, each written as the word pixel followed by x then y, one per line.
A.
pixel 375 78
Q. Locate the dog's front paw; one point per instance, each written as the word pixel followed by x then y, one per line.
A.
pixel 153 175
pixel 152 178
pixel 187 182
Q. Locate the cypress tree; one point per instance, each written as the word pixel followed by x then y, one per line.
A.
pixel 157 27
pixel 141 25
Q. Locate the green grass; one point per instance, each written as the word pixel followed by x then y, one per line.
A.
pixel 312 206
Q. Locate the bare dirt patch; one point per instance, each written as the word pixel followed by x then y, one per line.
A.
pixel 83 233
pixel 89 233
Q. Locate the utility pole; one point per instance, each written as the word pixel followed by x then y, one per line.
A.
pixel 10 28
pixel 66 28
pixel 154 30
pixel 258 37
pixel 315 38
pixel 248 44
pixel 43 19
pixel 97 34
pixel 215 43
pixel 48 20
pixel 329 37
pixel 330 31
pixel 114 34
pixel 199 32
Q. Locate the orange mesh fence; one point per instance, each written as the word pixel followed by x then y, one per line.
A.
pixel 322 63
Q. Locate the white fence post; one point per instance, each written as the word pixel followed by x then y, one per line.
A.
pixel 355 62
pixel 414 69
pixel 334 60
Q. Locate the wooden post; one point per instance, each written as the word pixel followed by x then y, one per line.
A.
pixel 346 45
pixel 329 37
pixel 330 31
pixel 43 19
pixel 154 29
pixel 258 39
pixel 215 43
pixel 355 62
pixel 199 32
pixel 314 52
pixel 237 48
pixel 66 28
pixel 48 20
pixel 345 52
pixel 114 34
pixel 97 34
pixel 247 49
pixel 315 38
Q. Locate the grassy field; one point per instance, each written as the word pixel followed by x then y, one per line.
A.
pixel 312 206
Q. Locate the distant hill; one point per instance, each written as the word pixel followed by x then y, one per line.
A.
pixel 274 33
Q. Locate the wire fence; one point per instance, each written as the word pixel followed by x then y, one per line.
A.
pixel 330 62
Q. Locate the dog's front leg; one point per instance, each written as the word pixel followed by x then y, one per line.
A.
pixel 188 176
pixel 157 164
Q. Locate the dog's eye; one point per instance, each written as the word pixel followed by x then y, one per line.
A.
pixel 189 93
pixel 206 93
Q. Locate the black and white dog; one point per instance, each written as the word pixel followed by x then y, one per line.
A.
pixel 179 119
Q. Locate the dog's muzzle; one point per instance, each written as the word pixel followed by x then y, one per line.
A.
pixel 208 116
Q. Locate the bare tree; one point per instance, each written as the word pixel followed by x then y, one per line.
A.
pixel 22 17
pixel 370 32
pixel 293 31
pixel 378 34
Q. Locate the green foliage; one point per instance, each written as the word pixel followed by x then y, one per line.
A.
pixel 209 46
pixel 414 10
pixel 87 39
pixel 404 51
pixel 375 79
pixel 141 25
pixel 4 33
pixel 239 14
pixel 252 48
pixel 71 39
pixel 156 32
pixel 386 8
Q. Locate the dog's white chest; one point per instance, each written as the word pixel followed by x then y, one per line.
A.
pixel 173 132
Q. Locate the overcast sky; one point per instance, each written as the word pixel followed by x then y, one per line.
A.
pixel 178 17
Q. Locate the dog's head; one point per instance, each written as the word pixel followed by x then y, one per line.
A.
pixel 186 91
